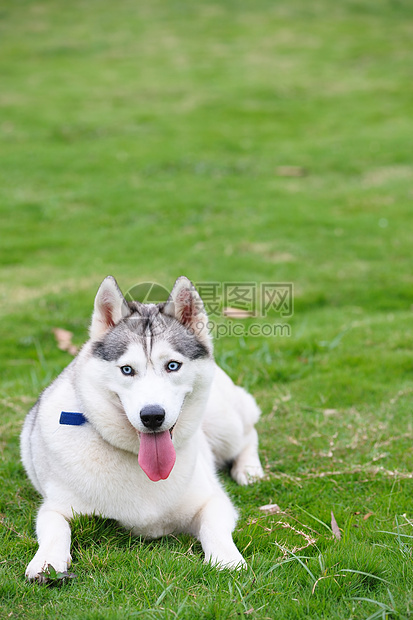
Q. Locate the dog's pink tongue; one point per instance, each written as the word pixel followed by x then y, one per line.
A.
pixel 156 455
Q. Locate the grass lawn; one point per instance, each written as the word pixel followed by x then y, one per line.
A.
pixel 150 139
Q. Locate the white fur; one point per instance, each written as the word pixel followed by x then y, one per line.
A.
pixel 93 468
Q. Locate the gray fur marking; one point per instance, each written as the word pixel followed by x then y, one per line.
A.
pixel 147 322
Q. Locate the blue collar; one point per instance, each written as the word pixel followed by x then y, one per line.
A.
pixel 72 418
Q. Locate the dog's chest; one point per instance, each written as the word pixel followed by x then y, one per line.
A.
pixel 106 481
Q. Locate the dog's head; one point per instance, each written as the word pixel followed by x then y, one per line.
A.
pixel 154 362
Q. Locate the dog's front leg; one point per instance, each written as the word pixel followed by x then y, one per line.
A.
pixel 213 527
pixel 53 535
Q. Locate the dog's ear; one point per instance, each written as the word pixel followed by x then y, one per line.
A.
pixel 110 308
pixel 185 305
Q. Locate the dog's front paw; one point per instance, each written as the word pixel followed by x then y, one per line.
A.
pixel 245 474
pixel 233 561
pixel 226 555
pixel 38 567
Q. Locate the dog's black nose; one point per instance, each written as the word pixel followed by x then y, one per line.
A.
pixel 152 416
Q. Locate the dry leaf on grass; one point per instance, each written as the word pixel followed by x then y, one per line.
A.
pixel 290 171
pixel 237 313
pixel 334 527
pixel 367 516
pixel 328 412
pixel 64 340
pixel 270 509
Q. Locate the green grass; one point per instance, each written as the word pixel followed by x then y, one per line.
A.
pixel 143 140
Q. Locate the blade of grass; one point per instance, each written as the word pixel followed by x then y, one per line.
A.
pixel 296 557
pixel 315 518
pixel 360 572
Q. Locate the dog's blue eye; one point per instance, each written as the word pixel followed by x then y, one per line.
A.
pixel 173 366
pixel 127 371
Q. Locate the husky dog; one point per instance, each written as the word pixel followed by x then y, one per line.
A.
pixel 135 427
